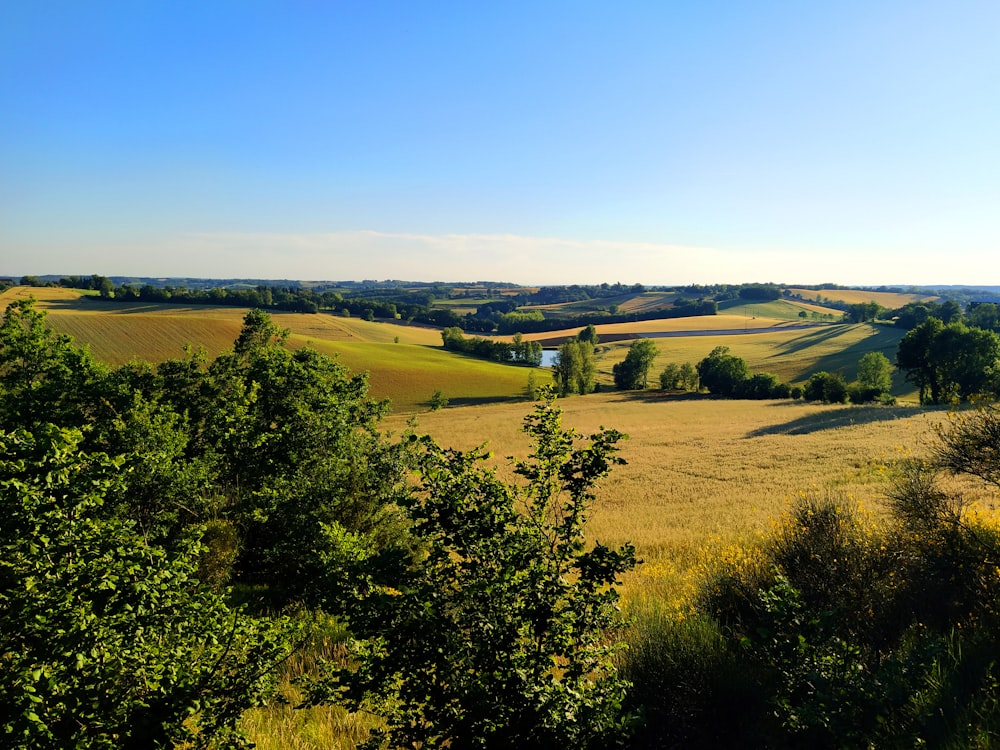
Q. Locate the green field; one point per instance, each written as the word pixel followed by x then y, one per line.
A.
pixel 780 309
pixel 407 363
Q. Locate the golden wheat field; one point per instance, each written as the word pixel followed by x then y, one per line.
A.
pixel 701 474
pixel 888 300
pixel 702 470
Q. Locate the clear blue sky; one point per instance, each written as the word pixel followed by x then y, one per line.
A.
pixel 537 142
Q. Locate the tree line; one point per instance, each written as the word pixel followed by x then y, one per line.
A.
pixel 518 351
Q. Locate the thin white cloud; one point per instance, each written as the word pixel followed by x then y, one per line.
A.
pixel 451 257
pixel 370 254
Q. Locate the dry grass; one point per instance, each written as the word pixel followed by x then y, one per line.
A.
pixel 706 471
pixel 888 300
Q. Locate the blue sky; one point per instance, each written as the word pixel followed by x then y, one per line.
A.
pixel 542 142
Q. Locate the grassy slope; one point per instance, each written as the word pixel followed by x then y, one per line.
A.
pixel 408 372
pixel 779 309
pixel 792 355
pixel 626 303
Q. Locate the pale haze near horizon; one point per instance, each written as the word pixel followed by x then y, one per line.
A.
pixel 540 143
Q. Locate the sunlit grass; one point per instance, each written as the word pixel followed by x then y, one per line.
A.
pixel 706 471
pixel 889 300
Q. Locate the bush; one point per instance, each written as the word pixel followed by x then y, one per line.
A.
pixel 685 674
pixel 764 385
pixel 828 387
pixel 503 634
pixel 106 640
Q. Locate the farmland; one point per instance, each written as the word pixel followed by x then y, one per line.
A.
pixel 407 364
pixel 701 474
pixel 853 296
pixel 700 468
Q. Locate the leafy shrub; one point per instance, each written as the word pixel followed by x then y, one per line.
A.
pixel 502 635
pixel 828 387
pixel 106 640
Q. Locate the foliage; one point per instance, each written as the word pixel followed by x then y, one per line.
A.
pixel 722 373
pixel 760 292
pixel 43 376
pixel 632 373
pixel 589 335
pixel 282 446
pixel 296 452
pixel 683 377
pixel 868 634
pixel 574 369
pixel 874 380
pixel 970 444
pixel 950 362
pixel 828 387
pixel 863 312
pixel 438 401
pixel 519 351
pixel 502 634
pixel 106 640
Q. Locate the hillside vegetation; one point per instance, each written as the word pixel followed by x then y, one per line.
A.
pixel 814 576
pixel 410 371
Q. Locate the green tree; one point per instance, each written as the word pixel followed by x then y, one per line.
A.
pixel 588 335
pixel 949 361
pixel 502 635
pixel 722 373
pixel 281 447
pixel 967 360
pixel 670 377
pixel 526 352
pixel 828 387
pixel 875 372
pixel 914 356
pixel 874 379
pixel 43 376
pixel 106 640
pixel 438 401
pixel 297 451
pixel 763 385
pixel 632 373
pixel 574 369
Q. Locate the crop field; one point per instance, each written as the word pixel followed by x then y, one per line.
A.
pixel 779 309
pixel 703 471
pixel 790 354
pixel 689 325
pixel 409 374
pixel 408 371
pixel 889 300
pixel 626 303
pixel 407 364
